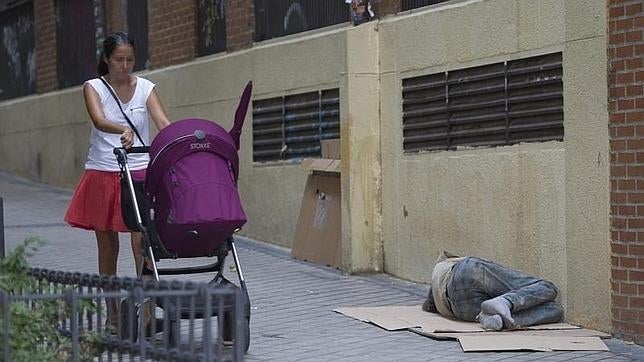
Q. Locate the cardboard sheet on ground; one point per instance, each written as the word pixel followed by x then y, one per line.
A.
pixel 530 343
pixel 393 318
pixel 545 337
pixel 573 332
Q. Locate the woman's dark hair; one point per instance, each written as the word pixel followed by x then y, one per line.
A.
pixel 109 44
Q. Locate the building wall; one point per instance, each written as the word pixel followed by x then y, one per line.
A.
pixel 587 202
pixel 525 205
pixel 115 16
pixel 240 24
pixel 542 208
pixel 44 137
pixel 45 39
pixel 172 32
pixel 626 108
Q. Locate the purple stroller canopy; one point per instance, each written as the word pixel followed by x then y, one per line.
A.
pixel 205 135
pixel 192 182
pixel 169 146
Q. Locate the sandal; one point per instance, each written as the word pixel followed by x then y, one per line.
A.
pixel 158 324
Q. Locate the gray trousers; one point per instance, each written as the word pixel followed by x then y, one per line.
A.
pixel 474 280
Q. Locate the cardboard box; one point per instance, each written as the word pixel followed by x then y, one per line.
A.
pixel 318 231
pixel 330 148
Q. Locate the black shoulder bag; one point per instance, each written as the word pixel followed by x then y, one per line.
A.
pixel 127 204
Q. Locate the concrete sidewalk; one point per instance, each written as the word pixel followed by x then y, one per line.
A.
pixel 292 301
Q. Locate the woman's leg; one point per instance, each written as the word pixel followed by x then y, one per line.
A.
pixel 147 307
pixel 108 252
pixel 137 250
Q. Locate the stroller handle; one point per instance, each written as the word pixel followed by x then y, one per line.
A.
pixel 120 152
pixel 139 149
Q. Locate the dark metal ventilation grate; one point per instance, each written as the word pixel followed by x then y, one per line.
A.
pixel 490 105
pixel 292 126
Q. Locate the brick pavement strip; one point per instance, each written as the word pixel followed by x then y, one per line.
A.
pixel 292 316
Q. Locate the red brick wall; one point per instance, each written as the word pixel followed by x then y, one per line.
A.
pixel 626 125
pixel 45 40
pixel 172 32
pixel 114 16
pixel 240 24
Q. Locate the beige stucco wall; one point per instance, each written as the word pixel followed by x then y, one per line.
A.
pixel 542 208
pixel 587 163
pixel 45 137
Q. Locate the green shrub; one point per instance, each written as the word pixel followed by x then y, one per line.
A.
pixel 33 332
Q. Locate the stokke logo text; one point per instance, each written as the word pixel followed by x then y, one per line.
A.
pixel 199 146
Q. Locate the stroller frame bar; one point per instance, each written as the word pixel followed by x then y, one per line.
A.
pixel 121 157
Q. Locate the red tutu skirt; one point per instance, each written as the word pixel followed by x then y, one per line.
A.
pixel 96 204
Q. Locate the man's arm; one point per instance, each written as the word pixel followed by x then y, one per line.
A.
pixel 429 305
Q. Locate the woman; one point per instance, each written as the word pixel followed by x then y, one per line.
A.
pixel 96 203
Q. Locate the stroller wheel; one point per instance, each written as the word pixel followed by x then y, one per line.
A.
pixel 246 332
pixel 173 334
pixel 229 327
pixel 129 323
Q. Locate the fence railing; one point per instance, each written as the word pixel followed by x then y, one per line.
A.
pixel 176 316
pixel 1 228
pixel 275 18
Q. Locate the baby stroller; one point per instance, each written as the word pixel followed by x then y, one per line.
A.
pixel 188 207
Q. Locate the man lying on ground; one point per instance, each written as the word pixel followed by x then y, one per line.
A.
pixel 474 289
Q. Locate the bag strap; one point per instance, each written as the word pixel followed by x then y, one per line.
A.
pixel 109 88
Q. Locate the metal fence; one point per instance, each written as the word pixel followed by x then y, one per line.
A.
pixel 413 4
pixel 75 306
pixel 275 18
pixel 211 27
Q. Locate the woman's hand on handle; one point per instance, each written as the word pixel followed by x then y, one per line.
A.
pixel 127 138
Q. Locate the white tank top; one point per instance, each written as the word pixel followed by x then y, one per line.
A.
pixel 101 144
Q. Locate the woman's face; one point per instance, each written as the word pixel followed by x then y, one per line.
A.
pixel 121 62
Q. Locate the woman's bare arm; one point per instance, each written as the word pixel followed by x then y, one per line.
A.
pixel 157 112
pixel 93 104
pixel 96 114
